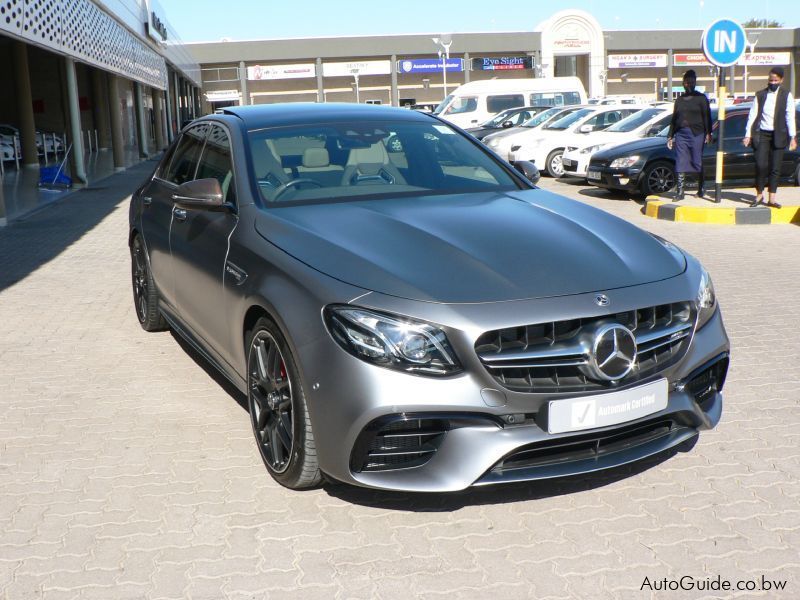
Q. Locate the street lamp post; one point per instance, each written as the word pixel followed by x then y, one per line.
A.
pixel 752 46
pixel 444 41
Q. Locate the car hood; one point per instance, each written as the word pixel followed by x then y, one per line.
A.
pixel 466 248
pixel 504 133
pixel 632 147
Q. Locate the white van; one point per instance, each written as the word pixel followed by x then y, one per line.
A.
pixel 477 101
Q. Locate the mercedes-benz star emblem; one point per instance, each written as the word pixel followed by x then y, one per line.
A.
pixel 602 300
pixel 613 352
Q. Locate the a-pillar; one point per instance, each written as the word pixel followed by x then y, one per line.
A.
pixel 74 112
pixel 116 122
pixel 159 120
pixel 100 104
pixel 27 125
pixel 141 126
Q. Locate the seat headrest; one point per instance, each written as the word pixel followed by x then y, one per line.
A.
pixel 315 158
pixel 375 154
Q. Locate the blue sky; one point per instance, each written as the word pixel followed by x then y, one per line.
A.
pixel 212 20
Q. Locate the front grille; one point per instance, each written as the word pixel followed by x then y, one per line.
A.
pixel 571 167
pixel 588 446
pixel 599 162
pixel 554 357
pixel 400 444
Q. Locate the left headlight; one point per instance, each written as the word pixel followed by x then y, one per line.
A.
pixel 592 149
pixel 391 341
pixel 706 299
pixel 624 162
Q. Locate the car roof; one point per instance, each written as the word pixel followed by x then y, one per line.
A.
pixel 277 115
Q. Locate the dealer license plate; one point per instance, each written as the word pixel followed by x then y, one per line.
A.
pixel 593 175
pixel 602 410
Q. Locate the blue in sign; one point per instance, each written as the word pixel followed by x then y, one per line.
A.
pixel 724 42
pixel 429 65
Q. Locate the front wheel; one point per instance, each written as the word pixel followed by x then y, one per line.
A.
pixel 658 178
pixel 145 294
pixel 278 410
pixel 555 165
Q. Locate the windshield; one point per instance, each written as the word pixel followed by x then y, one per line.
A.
pixel 635 120
pixel 496 120
pixel 570 119
pixel 443 104
pixel 333 161
pixel 542 117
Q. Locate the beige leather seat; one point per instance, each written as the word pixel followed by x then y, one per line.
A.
pixel 317 166
pixel 371 166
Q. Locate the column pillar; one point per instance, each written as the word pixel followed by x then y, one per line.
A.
pixel 243 84
pixel 159 121
pixel 115 114
pixel 27 125
pixel 100 106
pixel 467 67
pixel 178 115
pixel 169 112
pixel 3 219
pixel 74 112
pixel 141 127
pixel 320 82
pixel 669 97
pixel 394 97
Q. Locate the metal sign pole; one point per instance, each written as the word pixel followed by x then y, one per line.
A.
pixel 720 134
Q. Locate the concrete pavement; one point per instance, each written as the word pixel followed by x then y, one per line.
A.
pixel 128 468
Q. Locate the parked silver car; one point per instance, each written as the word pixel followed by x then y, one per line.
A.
pixel 406 311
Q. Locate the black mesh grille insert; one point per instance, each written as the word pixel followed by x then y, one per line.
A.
pixel 554 357
pixel 400 444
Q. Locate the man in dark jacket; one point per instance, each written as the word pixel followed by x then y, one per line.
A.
pixel 771 128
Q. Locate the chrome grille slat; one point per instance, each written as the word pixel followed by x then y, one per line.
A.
pixel 550 357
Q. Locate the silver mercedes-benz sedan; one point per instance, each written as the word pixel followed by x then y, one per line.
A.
pixel 405 310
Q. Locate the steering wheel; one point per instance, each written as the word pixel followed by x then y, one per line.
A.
pixel 282 188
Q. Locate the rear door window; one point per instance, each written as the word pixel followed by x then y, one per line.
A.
pixel 495 104
pixel 184 161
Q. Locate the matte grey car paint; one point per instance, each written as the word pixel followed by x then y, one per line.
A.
pixel 472 263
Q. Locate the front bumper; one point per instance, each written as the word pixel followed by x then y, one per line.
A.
pixel 575 164
pixel 626 179
pixel 492 434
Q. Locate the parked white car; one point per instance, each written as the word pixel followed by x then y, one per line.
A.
pixel 7 151
pixel 546 147
pixel 52 142
pixel 645 123
pixel 502 141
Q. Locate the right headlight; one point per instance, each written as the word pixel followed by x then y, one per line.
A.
pixel 706 299
pixel 624 162
pixel 391 341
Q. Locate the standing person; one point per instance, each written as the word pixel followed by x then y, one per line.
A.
pixel 771 128
pixel 689 130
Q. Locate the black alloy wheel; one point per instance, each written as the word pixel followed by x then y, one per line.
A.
pixel 145 295
pixel 658 178
pixel 278 411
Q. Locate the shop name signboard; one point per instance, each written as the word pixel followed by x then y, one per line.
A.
pixel 636 61
pixel 299 71
pixel 359 67
pixel 429 65
pixel 155 25
pixel 751 60
pixel 502 63
pixel 222 95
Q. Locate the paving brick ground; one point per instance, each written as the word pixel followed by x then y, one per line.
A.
pixel 128 470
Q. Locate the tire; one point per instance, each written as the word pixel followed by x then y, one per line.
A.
pixel 797 175
pixel 555 167
pixel 145 294
pixel 658 178
pixel 278 410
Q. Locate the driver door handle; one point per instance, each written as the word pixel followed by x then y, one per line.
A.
pixel 147 200
pixel 179 214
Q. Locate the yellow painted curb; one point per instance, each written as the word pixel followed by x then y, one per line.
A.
pixel 698 214
pixel 786 214
pixel 651 208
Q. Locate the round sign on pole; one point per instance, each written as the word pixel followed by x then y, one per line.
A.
pixel 724 42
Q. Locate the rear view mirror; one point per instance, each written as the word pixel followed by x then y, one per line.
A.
pixel 200 193
pixel 507 124
pixel 585 129
pixel 528 169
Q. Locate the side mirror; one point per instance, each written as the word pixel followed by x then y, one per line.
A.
pixel 200 194
pixel 529 170
pixel 586 129
pixel 507 124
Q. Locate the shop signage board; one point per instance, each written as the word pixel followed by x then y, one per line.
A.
pixel 634 61
pixel 357 67
pixel 429 65
pixel 502 63
pixel 266 72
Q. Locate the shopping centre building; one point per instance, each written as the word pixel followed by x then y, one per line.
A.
pixel 407 69
pixel 110 75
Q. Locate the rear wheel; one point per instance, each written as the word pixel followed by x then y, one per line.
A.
pixel 278 410
pixel 658 178
pixel 555 166
pixel 145 295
